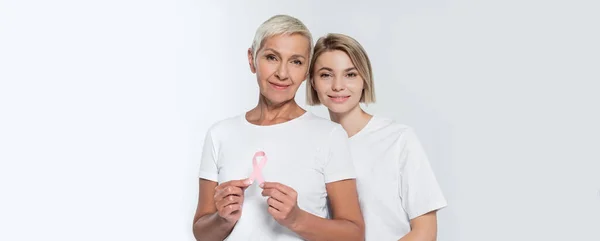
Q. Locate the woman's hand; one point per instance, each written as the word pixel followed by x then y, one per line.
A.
pixel 283 205
pixel 229 197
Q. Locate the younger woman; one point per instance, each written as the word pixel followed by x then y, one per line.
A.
pixel 398 192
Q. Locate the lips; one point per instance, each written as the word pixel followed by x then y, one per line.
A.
pixel 339 99
pixel 279 86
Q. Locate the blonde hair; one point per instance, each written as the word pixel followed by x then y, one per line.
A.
pixel 280 25
pixel 358 56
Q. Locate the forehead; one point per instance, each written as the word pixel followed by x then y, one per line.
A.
pixel 288 44
pixel 334 59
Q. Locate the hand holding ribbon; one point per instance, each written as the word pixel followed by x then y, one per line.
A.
pixel 283 204
pixel 229 197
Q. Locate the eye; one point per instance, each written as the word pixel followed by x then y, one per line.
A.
pixel 271 57
pixel 352 75
pixel 297 62
pixel 325 75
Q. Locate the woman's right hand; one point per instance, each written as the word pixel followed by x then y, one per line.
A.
pixel 229 197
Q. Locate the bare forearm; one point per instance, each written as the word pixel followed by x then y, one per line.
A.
pixel 314 228
pixel 420 235
pixel 211 227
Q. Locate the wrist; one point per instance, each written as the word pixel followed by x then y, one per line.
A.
pixel 300 223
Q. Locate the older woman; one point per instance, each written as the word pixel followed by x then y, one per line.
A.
pixel 303 159
pixel 398 192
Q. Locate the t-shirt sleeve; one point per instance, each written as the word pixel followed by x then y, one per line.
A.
pixel 419 190
pixel 208 161
pixel 339 165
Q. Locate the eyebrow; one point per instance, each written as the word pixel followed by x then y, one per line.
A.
pixel 325 68
pixel 278 54
pixel 329 69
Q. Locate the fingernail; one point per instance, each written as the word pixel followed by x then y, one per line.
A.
pixel 248 182
pixel 261 185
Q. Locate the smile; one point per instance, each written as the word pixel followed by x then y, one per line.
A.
pixel 279 86
pixel 339 99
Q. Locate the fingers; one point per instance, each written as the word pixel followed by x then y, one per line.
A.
pixel 234 187
pixel 281 188
pixel 276 198
pixel 230 210
pixel 230 206
pixel 229 200
pixel 227 191
pixel 277 205
pixel 280 204
pixel 243 183
pixel 276 194
pixel 274 212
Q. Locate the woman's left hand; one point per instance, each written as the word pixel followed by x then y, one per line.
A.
pixel 283 205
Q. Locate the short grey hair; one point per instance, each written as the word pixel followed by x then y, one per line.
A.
pixel 277 25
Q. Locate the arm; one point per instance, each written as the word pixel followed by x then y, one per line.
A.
pixel 347 222
pixel 423 228
pixel 219 208
pixel 208 225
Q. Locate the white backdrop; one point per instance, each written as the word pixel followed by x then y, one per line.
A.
pixel 104 106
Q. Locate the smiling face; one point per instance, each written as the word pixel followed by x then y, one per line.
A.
pixel 281 66
pixel 337 82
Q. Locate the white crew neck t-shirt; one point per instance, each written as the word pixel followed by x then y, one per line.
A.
pixel 394 179
pixel 304 153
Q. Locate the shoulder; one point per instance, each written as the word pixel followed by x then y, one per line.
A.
pixel 390 126
pixel 225 126
pixel 393 128
pixel 321 125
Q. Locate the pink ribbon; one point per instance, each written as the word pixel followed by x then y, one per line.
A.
pixel 257 167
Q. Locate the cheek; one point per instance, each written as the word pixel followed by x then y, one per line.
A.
pixel 356 86
pixel 264 70
pixel 320 86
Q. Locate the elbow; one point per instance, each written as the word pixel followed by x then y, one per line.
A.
pixel 353 229
pixel 195 231
pixel 360 230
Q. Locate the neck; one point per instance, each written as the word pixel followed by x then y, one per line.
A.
pixel 269 113
pixel 353 121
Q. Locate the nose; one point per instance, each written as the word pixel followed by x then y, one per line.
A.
pixel 338 84
pixel 282 72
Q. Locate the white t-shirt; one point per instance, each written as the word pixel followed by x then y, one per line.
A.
pixel 395 181
pixel 304 153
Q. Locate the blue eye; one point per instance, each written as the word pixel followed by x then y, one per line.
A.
pixel 297 62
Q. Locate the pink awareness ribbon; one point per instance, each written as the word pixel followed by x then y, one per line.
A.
pixel 257 167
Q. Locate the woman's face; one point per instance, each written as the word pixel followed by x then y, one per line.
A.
pixel 281 66
pixel 337 82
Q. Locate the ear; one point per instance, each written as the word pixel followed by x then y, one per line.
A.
pixel 251 61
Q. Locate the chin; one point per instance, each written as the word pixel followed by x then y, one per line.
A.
pixel 338 109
